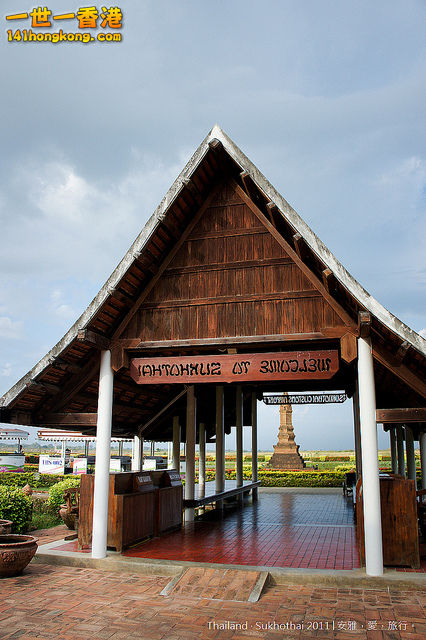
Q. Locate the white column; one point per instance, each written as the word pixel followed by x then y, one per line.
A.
pixel 103 454
pixel 220 443
pixel 137 457
pixel 176 443
pixel 393 450
pixel 239 434
pixel 254 472
pixel 422 442
pixel 411 461
pixel 202 460
pixel 370 460
pixel 190 450
pixel 400 450
pixel 357 433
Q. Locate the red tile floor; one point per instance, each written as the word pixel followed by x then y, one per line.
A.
pixel 306 530
pixel 290 528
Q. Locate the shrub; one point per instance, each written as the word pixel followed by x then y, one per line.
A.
pixel 42 517
pixel 56 493
pixel 34 479
pixel 15 506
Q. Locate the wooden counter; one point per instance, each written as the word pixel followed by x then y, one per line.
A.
pixel 131 506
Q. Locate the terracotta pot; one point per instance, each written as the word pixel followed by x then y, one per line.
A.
pixel 16 551
pixel 5 526
pixel 68 518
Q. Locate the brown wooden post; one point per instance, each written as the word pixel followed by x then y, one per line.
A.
pixel 176 444
pixel 411 460
pixel 393 449
pixel 400 448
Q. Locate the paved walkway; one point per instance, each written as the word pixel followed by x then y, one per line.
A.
pixel 63 603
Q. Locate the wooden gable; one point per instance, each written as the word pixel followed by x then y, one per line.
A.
pixel 230 277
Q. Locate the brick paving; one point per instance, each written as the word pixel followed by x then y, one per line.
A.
pixel 304 530
pixel 63 603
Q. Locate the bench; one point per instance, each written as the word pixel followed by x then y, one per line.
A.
pixel 211 496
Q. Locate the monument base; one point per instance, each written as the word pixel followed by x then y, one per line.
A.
pixel 286 461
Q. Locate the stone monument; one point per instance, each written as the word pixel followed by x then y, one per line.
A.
pixel 286 452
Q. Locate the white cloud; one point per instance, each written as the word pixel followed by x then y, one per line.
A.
pixel 6 370
pixel 9 328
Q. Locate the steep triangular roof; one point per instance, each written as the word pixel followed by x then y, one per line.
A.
pixel 107 313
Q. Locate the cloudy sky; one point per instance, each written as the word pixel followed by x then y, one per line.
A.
pixel 327 98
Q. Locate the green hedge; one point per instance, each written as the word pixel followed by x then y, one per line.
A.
pixel 35 480
pixel 15 506
pixel 56 493
pixel 272 478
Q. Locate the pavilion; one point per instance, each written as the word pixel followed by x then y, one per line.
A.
pixel 226 294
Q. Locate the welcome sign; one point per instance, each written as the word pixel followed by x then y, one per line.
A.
pixel 248 367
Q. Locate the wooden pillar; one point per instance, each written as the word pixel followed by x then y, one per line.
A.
pixel 190 450
pixel 220 444
pixel 357 432
pixel 137 457
pixel 176 443
pixel 86 448
pixel 422 441
pixel 103 455
pixel 120 448
pixel 254 471
pixel 400 450
pixel 393 450
pixel 411 460
pixel 370 460
pixel 202 460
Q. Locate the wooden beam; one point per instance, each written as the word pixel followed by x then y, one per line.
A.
pixel 401 371
pixel 401 415
pixel 325 334
pixel 293 254
pixel 364 322
pixel 145 426
pixel 229 266
pixel 93 339
pixel 70 419
pixel 250 297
